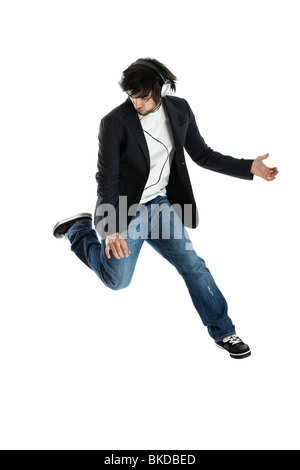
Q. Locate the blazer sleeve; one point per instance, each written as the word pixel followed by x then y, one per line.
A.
pixel 207 158
pixel 107 178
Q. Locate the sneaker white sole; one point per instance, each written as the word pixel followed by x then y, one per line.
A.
pixel 236 356
pixel 61 222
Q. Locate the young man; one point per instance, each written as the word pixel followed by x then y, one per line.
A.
pixel 145 194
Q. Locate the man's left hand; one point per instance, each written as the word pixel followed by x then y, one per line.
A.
pixel 260 169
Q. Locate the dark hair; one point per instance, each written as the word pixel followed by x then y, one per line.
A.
pixel 140 80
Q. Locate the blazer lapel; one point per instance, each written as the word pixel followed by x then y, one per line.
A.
pixel 133 121
pixel 177 119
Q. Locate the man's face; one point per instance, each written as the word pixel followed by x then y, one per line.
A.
pixel 144 105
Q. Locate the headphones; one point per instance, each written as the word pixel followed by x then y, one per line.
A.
pixel 166 88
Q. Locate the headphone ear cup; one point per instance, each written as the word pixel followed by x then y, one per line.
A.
pixel 166 89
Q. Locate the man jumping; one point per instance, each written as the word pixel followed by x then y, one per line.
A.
pixel 145 194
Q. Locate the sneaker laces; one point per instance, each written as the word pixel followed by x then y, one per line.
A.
pixel 233 339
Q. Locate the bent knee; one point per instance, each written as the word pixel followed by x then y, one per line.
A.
pixel 118 284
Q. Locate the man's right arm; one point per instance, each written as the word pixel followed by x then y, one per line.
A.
pixel 108 184
pixel 108 164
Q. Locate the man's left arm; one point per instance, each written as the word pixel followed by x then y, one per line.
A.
pixel 206 157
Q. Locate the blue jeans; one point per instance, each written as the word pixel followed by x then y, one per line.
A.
pixel 158 224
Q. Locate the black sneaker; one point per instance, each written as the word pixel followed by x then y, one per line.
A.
pixel 61 228
pixel 235 346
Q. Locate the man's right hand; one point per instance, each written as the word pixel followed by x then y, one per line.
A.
pixel 117 245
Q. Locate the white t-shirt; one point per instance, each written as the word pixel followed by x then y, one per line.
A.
pixel 159 137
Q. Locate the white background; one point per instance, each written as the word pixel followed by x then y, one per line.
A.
pixel 83 367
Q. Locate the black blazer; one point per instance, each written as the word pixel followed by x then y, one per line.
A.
pixel 124 164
